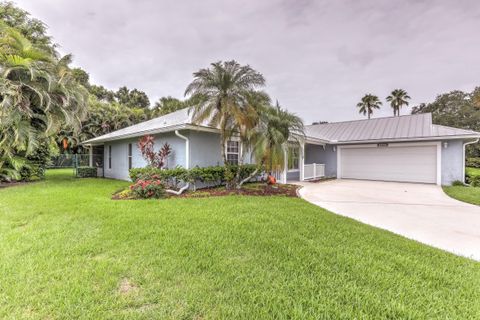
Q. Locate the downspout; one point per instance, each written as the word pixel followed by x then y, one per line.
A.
pixel 187 163
pixel 187 148
pixel 464 164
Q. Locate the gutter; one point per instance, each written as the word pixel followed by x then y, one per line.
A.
pixel 187 164
pixel 464 156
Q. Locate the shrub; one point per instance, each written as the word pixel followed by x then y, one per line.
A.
pixel 36 162
pixel 473 162
pixel 475 181
pixel 458 183
pixel 155 159
pixel 213 175
pixel 30 172
pixel 124 194
pixel 86 172
pixel 148 189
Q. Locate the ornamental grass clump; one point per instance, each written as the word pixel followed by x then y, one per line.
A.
pixel 146 189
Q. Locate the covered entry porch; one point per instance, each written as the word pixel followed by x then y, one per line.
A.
pixel 307 161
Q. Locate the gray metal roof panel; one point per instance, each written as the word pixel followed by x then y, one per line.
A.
pixel 417 126
pixel 390 128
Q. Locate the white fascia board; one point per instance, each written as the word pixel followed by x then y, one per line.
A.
pixel 97 141
pixel 408 139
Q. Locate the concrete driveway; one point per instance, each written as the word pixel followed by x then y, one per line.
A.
pixel 417 211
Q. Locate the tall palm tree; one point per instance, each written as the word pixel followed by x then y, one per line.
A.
pixel 38 94
pixel 398 98
pixel 224 90
pixel 368 103
pixel 275 129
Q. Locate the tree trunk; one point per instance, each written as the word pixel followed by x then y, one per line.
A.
pixel 253 174
pixel 240 164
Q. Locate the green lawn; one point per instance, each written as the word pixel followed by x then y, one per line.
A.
pixel 465 194
pixel 69 252
pixel 473 171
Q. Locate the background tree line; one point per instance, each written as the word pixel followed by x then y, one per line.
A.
pixel 47 107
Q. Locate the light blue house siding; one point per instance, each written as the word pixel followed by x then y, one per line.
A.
pixel 452 161
pixel 119 159
pixel 327 156
pixel 204 150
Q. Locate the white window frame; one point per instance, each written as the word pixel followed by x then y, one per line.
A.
pixel 239 149
pixel 291 146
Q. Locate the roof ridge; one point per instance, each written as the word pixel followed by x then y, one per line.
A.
pixel 360 120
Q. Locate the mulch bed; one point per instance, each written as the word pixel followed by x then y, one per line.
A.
pixel 254 189
pixel 251 189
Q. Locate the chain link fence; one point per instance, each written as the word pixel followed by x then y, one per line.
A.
pixel 77 160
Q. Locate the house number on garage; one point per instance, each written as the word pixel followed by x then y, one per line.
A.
pixel 382 145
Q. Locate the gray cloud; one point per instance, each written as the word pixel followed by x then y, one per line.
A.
pixel 319 57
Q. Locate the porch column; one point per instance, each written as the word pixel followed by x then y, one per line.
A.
pixel 285 164
pixel 90 156
pixel 302 160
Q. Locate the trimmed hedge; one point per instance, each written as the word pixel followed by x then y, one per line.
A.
pixel 213 175
pixel 86 172
pixel 473 162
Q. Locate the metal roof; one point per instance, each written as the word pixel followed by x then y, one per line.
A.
pixel 172 121
pixel 403 128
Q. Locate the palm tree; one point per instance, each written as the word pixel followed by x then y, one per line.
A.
pixel 368 103
pixel 223 91
pixel 38 94
pixel 398 98
pixel 275 129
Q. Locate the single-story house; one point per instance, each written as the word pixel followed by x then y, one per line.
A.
pixel 405 149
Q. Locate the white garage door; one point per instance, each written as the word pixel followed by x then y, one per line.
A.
pixel 392 163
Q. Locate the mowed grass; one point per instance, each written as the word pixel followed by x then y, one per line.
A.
pixel 473 171
pixel 465 193
pixel 69 252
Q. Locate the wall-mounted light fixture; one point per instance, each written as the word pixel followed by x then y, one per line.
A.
pixel 445 145
pixel 334 148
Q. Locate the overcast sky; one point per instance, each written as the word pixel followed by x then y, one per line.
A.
pixel 319 57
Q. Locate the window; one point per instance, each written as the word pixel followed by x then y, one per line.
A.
pixel 233 151
pixel 130 156
pixel 109 157
pixel 293 158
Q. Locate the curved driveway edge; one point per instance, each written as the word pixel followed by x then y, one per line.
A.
pixel 420 212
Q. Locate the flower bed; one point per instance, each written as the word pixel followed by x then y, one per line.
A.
pixel 145 189
pixel 251 189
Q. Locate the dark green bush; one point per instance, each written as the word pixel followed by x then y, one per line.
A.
pixel 213 175
pixel 458 183
pixel 475 181
pixel 473 162
pixel 86 172
pixel 36 163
